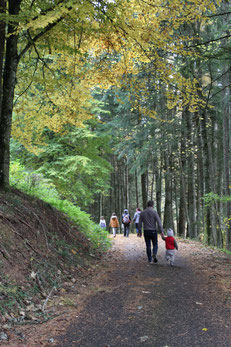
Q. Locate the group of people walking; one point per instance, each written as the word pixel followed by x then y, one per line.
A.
pixel 126 222
pixel 151 223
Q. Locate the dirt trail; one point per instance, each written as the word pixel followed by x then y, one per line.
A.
pixel 133 303
pixel 127 302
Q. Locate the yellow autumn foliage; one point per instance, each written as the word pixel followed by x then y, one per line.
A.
pixel 101 46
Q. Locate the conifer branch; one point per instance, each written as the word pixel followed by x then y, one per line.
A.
pixel 218 14
pixel 207 42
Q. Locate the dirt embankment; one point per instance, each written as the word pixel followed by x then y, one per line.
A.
pixel 41 254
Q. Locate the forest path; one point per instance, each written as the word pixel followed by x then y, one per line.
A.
pixel 132 303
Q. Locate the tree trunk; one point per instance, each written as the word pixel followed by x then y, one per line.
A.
pixel 158 190
pixel 227 164
pixel 137 192
pixel 152 183
pixel 191 179
pixel 127 186
pixel 182 203
pixel 143 188
pixel 219 167
pixel 147 182
pixel 168 195
pixel 210 225
pixel 200 177
pixel 176 194
pixel 9 82
pixel 2 45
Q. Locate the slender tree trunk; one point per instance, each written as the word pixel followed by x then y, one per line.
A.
pixel 158 175
pixel 191 179
pixel 113 192
pixel 147 180
pixel 176 202
pixel 111 189
pixel 168 195
pixel 200 177
pixel 152 183
pixel 210 224
pixel 143 188
pixel 182 203
pixel 137 192
pixel 219 167
pixel 100 205
pixel 227 164
pixel 2 46
pixel 127 186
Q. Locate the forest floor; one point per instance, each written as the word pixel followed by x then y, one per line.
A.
pixel 124 301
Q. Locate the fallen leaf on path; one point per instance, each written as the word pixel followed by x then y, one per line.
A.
pixel 33 274
pixel 205 329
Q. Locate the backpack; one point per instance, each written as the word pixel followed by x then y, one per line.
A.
pixel 126 219
pixel 102 224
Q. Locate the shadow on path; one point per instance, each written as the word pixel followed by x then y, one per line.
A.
pixel 137 304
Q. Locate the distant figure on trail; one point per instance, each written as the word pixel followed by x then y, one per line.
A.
pixel 102 223
pixel 114 224
pixel 136 219
pixel 150 220
pixel 126 220
pixel 171 245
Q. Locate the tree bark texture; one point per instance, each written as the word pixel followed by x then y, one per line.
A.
pixel 191 179
pixel 182 203
pixel 143 188
pixel 168 195
pixel 9 82
pixel 2 46
pixel 227 164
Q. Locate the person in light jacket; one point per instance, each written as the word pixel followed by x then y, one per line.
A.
pixel 126 220
pixel 102 223
pixel 136 219
pixel 114 224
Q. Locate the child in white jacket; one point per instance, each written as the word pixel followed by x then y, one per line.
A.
pixel 102 222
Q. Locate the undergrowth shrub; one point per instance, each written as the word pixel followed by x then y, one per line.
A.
pixel 35 184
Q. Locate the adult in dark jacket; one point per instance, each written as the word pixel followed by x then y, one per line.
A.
pixel 151 221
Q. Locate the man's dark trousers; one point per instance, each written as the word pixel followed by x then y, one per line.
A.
pixel 151 236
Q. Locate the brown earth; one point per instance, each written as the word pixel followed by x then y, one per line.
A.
pixel 123 301
pixel 40 250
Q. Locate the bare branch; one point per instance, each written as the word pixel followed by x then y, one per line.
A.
pixel 39 35
pixel 28 87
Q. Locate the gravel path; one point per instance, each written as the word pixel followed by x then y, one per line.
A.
pixel 133 303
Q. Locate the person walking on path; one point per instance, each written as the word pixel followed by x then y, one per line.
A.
pixel 136 219
pixel 102 223
pixel 151 221
pixel 126 220
pixel 114 224
pixel 171 245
